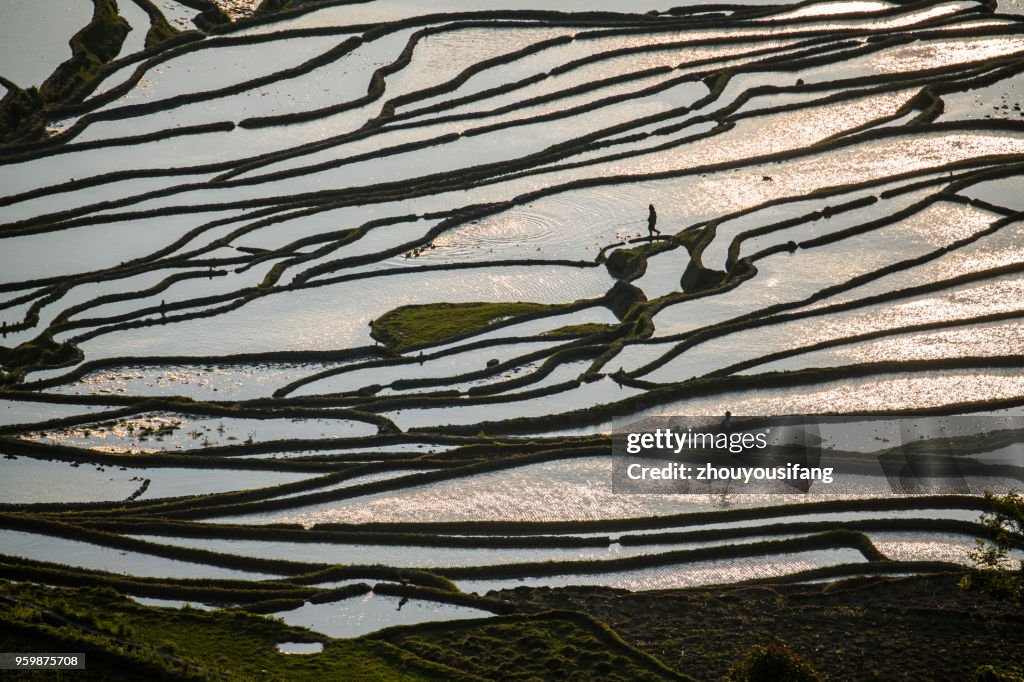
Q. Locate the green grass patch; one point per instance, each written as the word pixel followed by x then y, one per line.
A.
pixel 628 264
pixel 159 32
pixel 576 330
pixel 273 275
pixel 419 325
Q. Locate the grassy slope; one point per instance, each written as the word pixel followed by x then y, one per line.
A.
pixel 215 645
pixel 126 640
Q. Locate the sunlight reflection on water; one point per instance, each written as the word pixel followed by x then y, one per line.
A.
pixel 684 575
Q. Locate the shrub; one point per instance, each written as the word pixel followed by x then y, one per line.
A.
pixel 772 663
pixel 995 572
pixel 988 673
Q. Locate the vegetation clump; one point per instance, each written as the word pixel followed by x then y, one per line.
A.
pixel 39 353
pixel 98 43
pixel 211 17
pixel 988 673
pixel 772 663
pixel 270 6
pixel 996 573
pixel 17 110
pixel 92 47
pixel 627 264
pixel 160 30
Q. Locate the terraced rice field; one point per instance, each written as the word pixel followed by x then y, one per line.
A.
pixel 356 292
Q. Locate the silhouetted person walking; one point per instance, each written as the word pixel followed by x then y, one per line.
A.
pixel 652 220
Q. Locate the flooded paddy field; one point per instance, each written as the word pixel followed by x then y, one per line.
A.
pixel 329 309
